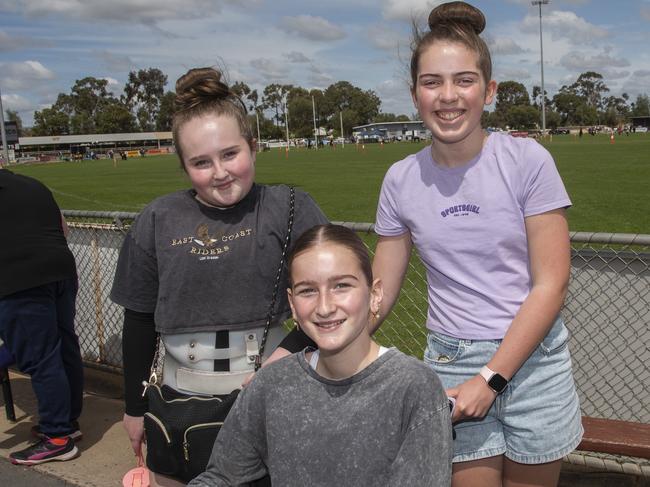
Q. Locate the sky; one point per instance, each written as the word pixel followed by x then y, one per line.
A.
pixel 46 45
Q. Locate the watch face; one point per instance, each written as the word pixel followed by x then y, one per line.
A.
pixel 498 383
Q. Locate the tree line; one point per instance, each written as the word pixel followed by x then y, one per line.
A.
pixel 585 102
pixel 145 105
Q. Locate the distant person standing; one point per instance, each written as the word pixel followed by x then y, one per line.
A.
pixel 38 288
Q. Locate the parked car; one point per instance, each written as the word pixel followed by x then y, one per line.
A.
pixel 641 129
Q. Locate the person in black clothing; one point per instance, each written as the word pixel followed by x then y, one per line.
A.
pixel 38 288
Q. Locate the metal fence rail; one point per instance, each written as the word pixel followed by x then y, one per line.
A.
pixel 607 310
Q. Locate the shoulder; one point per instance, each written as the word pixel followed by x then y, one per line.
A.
pixel 279 372
pixel 409 162
pixel 414 374
pixel 519 150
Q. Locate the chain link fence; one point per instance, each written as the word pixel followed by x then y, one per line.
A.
pixel 607 310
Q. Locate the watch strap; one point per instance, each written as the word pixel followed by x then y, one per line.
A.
pixel 488 374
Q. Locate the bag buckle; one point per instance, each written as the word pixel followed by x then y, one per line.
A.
pixel 153 379
pixel 252 348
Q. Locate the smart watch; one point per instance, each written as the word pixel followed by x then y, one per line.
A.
pixel 495 381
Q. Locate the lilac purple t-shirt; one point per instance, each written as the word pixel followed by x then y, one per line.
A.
pixel 467 224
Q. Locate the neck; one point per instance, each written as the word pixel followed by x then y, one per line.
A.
pixel 458 153
pixel 346 363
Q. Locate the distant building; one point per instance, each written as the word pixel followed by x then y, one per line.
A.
pixel 643 121
pixel 388 131
pixel 94 142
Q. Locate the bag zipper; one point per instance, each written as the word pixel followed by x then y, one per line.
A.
pixel 160 425
pixel 186 444
pixel 180 399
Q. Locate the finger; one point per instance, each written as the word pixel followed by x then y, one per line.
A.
pixel 452 392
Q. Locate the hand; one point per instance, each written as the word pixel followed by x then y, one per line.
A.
pixel 276 355
pixel 134 426
pixel 473 399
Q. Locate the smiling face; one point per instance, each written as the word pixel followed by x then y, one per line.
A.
pixel 331 299
pixel 450 92
pixel 218 160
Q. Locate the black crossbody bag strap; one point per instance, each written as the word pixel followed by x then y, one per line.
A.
pixel 278 275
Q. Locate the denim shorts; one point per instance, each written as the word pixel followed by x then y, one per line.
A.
pixel 536 419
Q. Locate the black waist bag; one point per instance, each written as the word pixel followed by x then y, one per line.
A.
pixel 181 429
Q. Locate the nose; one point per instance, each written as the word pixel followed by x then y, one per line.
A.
pixel 448 93
pixel 218 171
pixel 325 305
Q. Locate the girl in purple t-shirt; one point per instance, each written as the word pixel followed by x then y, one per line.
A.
pixel 487 215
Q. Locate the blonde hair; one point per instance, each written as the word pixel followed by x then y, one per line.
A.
pixel 201 92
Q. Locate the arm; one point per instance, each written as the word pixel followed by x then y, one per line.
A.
pixel 550 259
pixel 138 348
pixel 391 260
pixel 236 457
pixel 424 458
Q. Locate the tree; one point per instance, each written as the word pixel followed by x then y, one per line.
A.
pixel 510 94
pixel 51 121
pixel 115 118
pixel 143 93
pixel 390 117
pixel 567 104
pixel 361 106
pixel 537 97
pixel 12 116
pixel 591 87
pixel 166 112
pixel 522 117
pixel 641 107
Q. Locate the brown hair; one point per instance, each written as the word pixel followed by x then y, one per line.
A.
pixel 201 92
pixel 453 22
pixel 336 234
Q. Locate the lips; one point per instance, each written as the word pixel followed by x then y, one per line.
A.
pixel 449 115
pixel 223 186
pixel 329 325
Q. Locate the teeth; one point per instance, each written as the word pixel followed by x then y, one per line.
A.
pixel 330 324
pixel 449 115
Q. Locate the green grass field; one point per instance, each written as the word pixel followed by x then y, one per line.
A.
pixel 608 183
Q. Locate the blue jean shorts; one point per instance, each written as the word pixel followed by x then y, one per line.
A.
pixel 536 419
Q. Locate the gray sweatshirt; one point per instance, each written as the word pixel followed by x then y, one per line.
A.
pixel 388 425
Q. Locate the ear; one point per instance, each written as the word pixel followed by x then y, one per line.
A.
pixel 414 97
pixel 376 295
pixel 490 92
pixel 254 148
pixel 293 309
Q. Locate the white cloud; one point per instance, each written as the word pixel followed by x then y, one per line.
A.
pixel 503 46
pixel 312 28
pixel 270 70
pixel 141 11
pixel 318 78
pixel 385 38
pixel 395 97
pixel 565 25
pixel 16 103
pixel 296 57
pixel 407 9
pixel 580 62
pixel 14 43
pixel 514 74
pixel 18 75
pixel 637 83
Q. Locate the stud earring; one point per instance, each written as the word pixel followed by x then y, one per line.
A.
pixel 297 325
pixel 377 315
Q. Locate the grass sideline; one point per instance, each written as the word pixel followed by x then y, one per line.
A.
pixel 608 183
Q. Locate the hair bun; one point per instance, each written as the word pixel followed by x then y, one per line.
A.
pixel 200 85
pixel 458 13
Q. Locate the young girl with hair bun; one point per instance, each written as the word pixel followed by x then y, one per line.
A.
pixel 486 213
pixel 199 265
pixel 351 413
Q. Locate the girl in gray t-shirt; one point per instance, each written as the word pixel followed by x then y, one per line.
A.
pixel 351 413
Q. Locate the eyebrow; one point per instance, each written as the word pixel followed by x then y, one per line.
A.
pixel 461 73
pixel 308 282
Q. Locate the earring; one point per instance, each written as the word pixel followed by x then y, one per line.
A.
pixel 377 315
pixel 297 325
